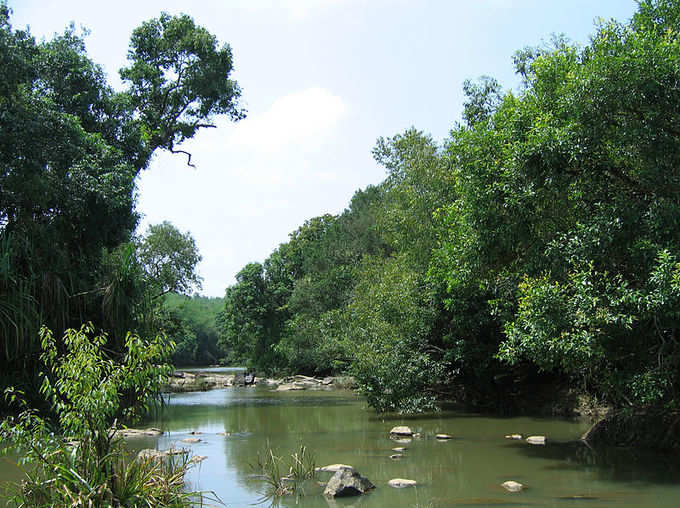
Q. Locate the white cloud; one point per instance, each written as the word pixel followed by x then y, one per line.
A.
pixel 297 118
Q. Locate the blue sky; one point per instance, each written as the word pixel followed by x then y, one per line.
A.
pixel 321 80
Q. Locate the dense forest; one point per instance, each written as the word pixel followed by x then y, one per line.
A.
pixel 71 148
pixel 537 246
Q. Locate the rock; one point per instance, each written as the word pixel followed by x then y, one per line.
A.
pixel 197 458
pixel 138 432
pixel 401 431
pixel 536 440
pixel 288 387
pixel 224 433
pixel 401 483
pixel 399 449
pixel 396 456
pixel 192 440
pixel 195 432
pixel 513 436
pixel 443 437
pixel 346 482
pixel 333 468
pixel 150 454
pixel 512 486
pixel 327 381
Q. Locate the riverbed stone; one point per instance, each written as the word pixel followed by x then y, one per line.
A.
pixel 396 456
pixel 333 468
pixel 152 431
pixel 192 440
pixel 401 483
pixel 197 458
pixel 346 482
pixel 443 437
pixel 399 449
pixel 513 436
pixel 536 440
pixel 512 486
pixel 401 431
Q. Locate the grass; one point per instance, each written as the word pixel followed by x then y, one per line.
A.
pixel 284 477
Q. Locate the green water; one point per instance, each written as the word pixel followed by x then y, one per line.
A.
pixel 465 471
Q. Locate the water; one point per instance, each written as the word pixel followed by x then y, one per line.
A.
pixel 465 471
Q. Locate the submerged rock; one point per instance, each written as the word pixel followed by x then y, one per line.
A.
pixel 512 486
pixel 401 483
pixel 396 456
pixel 513 436
pixel 192 440
pixel 346 482
pixel 443 437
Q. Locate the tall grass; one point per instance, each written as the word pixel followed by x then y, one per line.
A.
pixel 284 477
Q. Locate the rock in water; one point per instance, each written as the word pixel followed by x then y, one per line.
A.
pixel 443 437
pixel 401 431
pixel 536 440
pixel 347 482
pixel 512 486
pixel 513 436
pixel 401 483
pixel 334 468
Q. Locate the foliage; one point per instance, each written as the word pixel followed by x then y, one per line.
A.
pixel 191 322
pixel 537 244
pixel 81 462
pixel 70 152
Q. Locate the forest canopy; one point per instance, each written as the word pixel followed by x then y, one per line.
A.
pixel 536 246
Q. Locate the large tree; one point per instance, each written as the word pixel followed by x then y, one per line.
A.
pixel 70 150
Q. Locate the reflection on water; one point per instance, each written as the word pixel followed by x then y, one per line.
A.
pixel 236 424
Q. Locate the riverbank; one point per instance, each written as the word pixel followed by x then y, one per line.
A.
pixel 196 381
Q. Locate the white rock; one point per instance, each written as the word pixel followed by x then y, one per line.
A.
pixel 332 468
pixel 443 437
pixel 401 431
pixel 401 483
pixel 512 486
pixel 536 440
pixel 192 440
pixel 513 436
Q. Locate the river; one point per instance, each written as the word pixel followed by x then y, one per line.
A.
pixel 465 471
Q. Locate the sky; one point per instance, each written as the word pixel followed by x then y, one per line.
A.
pixel 321 80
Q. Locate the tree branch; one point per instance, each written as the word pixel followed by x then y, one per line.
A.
pixel 172 150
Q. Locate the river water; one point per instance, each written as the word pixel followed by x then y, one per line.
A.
pixel 465 471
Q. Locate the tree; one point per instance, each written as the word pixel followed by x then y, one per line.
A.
pixel 70 152
pixel 169 258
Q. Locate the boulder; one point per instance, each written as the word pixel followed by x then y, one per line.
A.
pixel 401 483
pixel 443 437
pixel 138 432
pixel 192 440
pixel 333 468
pixel 399 449
pixel 396 456
pixel 513 436
pixel 512 486
pixel 347 482
pixel 536 440
pixel 401 431
pixel 197 458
